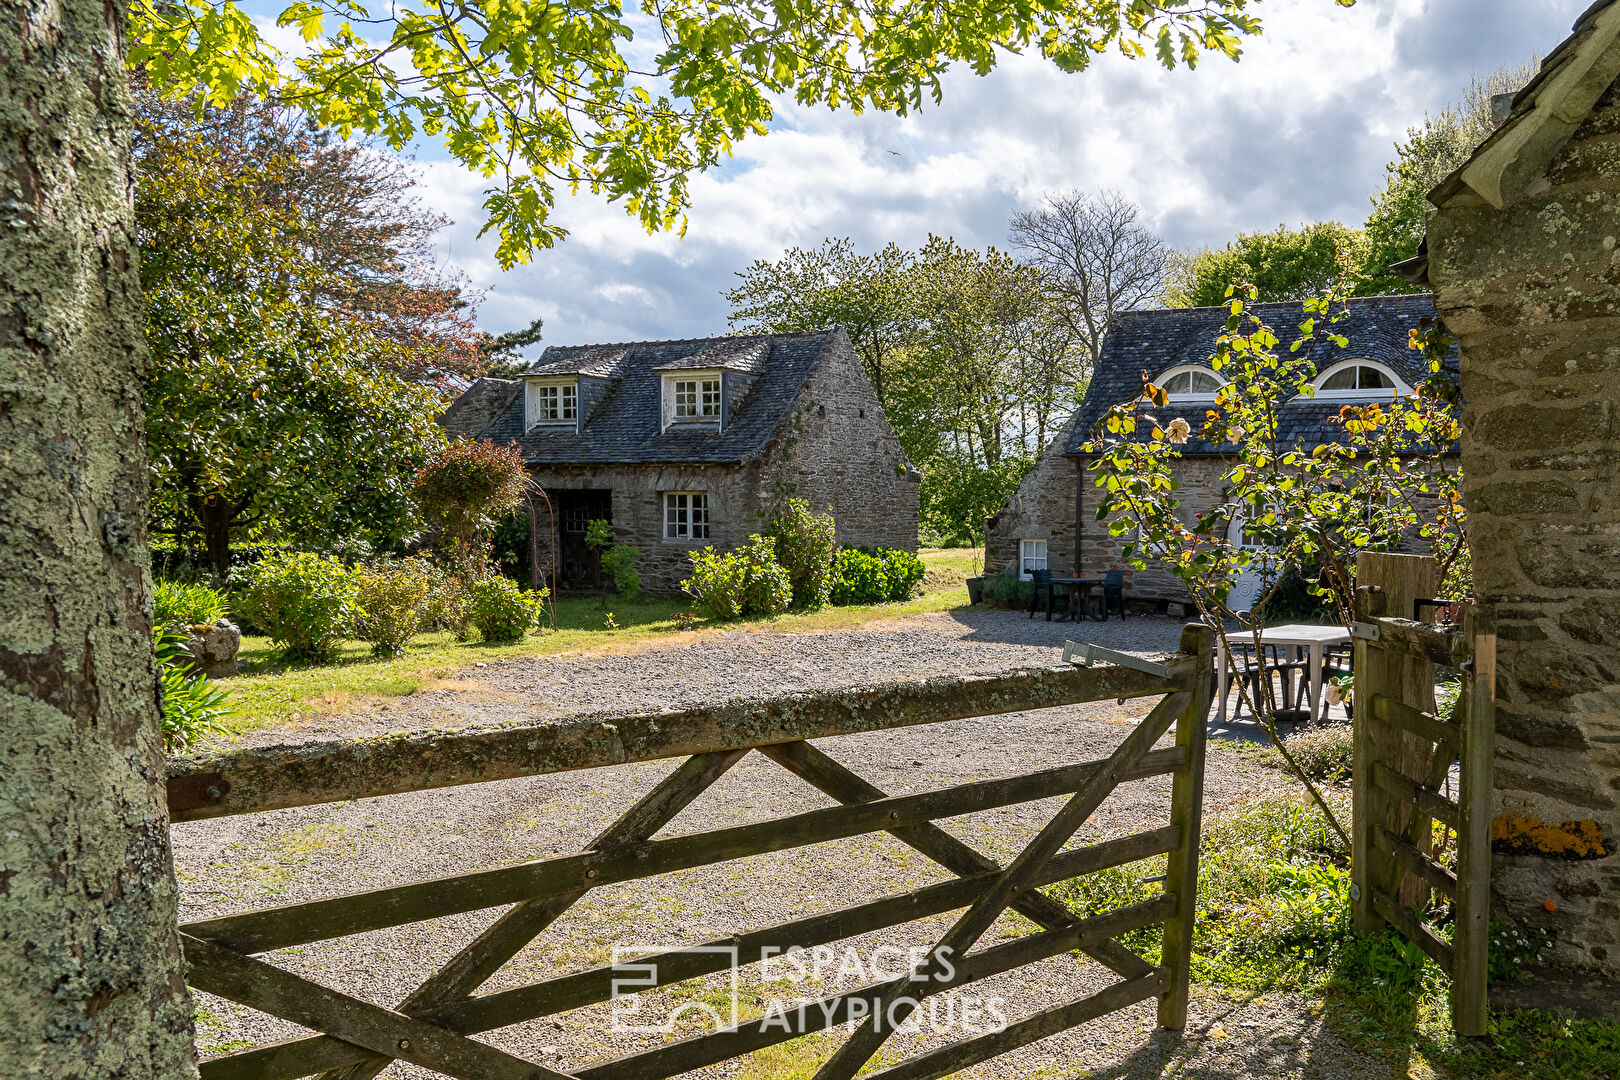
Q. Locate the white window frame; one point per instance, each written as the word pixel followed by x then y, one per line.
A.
pixel 1027 556
pixel 686 515
pixel 1401 389
pixel 693 397
pixel 1194 369
pixel 538 412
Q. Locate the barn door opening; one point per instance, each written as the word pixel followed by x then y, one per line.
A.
pixel 580 567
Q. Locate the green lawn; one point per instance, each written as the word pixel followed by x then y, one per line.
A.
pixel 267 691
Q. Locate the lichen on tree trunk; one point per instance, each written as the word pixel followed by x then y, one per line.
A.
pixel 91 981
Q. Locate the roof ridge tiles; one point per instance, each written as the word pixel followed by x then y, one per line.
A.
pixel 691 340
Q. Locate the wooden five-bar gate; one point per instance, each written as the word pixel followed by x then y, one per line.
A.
pixel 1405 756
pixel 433 1027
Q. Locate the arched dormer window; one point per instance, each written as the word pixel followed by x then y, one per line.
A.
pixel 1360 379
pixel 1190 384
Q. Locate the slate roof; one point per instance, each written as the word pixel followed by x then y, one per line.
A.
pixel 1156 340
pixel 624 428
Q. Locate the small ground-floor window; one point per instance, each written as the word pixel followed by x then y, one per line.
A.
pixel 1031 557
pixel 686 515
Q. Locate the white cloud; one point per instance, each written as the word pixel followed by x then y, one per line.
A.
pixel 1298 131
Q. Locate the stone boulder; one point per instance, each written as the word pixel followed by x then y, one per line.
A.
pixel 213 648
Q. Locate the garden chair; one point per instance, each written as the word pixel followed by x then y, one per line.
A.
pixel 1112 593
pixel 1285 682
pixel 1041 579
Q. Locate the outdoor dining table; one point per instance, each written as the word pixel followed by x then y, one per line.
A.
pixel 1079 588
pixel 1299 636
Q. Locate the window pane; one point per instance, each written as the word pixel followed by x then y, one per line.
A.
pixel 700 517
pixel 1178 384
pixel 570 402
pixel 1373 379
pixel 1203 382
pixel 1344 379
pixel 711 397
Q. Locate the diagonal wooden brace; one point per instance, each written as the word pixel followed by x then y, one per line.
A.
pixel 280 993
pixel 822 772
pixel 484 955
pixel 896 1004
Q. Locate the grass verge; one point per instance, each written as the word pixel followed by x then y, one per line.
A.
pixel 268 691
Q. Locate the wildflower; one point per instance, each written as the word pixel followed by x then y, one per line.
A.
pixel 1178 431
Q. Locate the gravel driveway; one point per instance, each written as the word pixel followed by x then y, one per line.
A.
pixel 233 864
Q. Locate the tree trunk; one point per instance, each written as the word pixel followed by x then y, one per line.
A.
pixel 91 982
pixel 215 514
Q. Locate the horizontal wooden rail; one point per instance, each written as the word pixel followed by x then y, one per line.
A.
pixel 957 1056
pixel 1427 800
pixel 1408 924
pixel 1423 725
pixel 1415 862
pixel 686 1055
pixel 318 920
pixel 319 1053
pixel 1441 645
pixel 269 778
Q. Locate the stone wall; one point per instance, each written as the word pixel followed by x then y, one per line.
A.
pixel 840 453
pixel 1531 292
pixel 1041 509
pixel 638 511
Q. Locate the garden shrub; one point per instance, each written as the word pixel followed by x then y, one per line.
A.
pixel 807 548
pixel 464 491
pixel 860 577
pixel 178 603
pixel 905 572
pixel 392 597
pixel 1010 590
pixel 1324 753
pixel 502 611
pixel 447 604
pixel 618 560
pixel 748 581
pixel 304 602
pixel 193 707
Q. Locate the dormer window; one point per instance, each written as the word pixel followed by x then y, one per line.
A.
pixel 697 399
pixel 693 397
pixel 554 403
pixel 1360 379
pixel 1190 384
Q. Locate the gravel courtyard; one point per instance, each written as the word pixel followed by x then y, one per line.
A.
pixel 234 864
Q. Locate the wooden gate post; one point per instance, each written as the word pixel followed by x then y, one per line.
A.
pixel 1477 774
pixel 1367 661
pixel 1186 814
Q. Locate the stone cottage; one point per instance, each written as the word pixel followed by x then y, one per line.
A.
pixel 1524 262
pixel 685 444
pixel 1050 522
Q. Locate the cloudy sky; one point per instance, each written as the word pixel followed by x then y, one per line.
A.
pixel 1299 130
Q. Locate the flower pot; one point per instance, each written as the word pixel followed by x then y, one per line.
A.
pixel 975 588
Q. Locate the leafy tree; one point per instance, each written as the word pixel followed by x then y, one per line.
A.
pixel 539 94
pixel 464 490
pixel 1429 154
pixel 1095 255
pixel 1285 264
pixel 834 285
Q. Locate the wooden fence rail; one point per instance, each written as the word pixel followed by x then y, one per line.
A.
pixel 1394 872
pixel 432 1027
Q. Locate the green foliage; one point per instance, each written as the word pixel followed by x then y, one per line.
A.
pixel 305 602
pixel 193 707
pixel 859 577
pixel 618 560
pixel 502 611
pixel 447 605
pixel 1297 595
pixel 1286 264
pixel 269 405
pixel 864 576
pixel 464 490
pixel 1427 156
pixel 741 583
pixel 806 546
pixel 1324 753
pixel 392 597
pixel 178 603
pixel 538 95
pixel 1010 589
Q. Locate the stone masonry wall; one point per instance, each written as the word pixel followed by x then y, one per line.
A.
pixel 1041 509
pixel 840 453
pixel 1531 292
pixel 638 511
